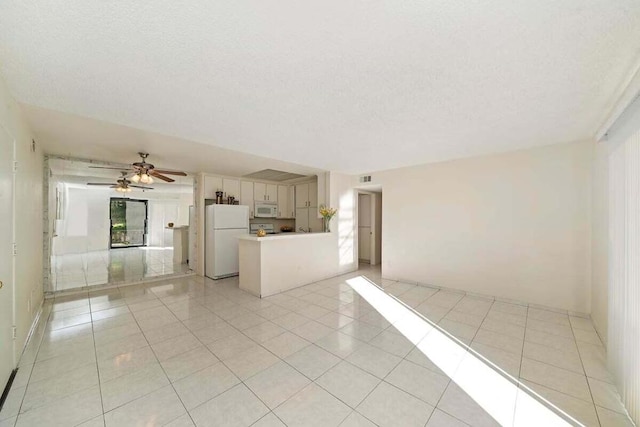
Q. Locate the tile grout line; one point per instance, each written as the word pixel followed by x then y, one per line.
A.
pixel 238 302
pixel 35 359
pixel 160 364
pixel 586 377
pixel 95 352
pixel 469 346
pixel 219 361
pixel 156 358
pixel 404 359
pixel 346 361
pixel 312 381
pixel 526 321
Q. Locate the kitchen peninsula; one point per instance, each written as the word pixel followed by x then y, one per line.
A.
pixel 277 263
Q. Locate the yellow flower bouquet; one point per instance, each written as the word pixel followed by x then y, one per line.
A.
pixel 327 214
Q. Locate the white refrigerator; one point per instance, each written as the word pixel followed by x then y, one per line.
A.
pixel 223 224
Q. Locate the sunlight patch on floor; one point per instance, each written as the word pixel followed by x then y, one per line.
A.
pixel 498 393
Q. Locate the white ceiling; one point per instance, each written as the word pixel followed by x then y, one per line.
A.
pixel 348 86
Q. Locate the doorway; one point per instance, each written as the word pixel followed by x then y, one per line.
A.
pixel 7 309
pixel 369 227
pixel 129 221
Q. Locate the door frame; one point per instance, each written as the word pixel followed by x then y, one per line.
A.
pixel 146 222
pixel 376 226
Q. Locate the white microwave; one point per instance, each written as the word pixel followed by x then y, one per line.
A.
pixel 264 210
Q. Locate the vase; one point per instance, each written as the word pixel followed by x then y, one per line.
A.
pixel 326 222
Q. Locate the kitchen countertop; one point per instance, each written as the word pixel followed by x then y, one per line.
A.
pixel 281 236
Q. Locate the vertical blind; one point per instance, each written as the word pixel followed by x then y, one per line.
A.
pixel 624 280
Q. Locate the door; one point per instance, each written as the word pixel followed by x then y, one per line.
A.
pixel 376 228
pixel 246 196
pixel 283 202
pixel 364 227
pixel 225 253
pixel 228 216
pixel 302 196
pixel 313 195
pixel 291 202
pixel 302 218
pixel 128 223
pixel 6 258
pixel 260 191
pixel 271 193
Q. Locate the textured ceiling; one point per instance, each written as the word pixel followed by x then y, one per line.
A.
pixel 350 86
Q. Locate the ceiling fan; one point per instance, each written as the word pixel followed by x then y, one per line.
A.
pixel 144 172
pixel 123 185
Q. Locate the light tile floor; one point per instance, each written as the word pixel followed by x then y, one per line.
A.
pixel 115 266
pixel 191 351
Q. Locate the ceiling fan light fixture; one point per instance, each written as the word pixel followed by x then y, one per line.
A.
pixel 135 178
pixel 146 179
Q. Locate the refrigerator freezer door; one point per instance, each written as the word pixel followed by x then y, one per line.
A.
pixel 222 252
pixel 228 216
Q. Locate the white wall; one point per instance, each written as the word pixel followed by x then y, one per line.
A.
pixel 343 196
pixel 28 218
pixel 514 225
pixel 600 238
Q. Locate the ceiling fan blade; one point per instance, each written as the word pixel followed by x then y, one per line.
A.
pixel 115 186
pixel 140 186
pixel 109 167
pixel 162 177
pixel 169 172
pixel 98 183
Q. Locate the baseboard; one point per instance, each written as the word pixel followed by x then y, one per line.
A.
pixel 32 329
pixel 500 299
pixel 7 388
pixel 94 288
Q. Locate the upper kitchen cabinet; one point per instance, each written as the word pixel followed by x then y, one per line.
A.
pixel 313 194
pixel 272 193
pixel 211 185
pixel 307 195
pixel 292 200
pixel 231 187
pixel 286 208
pixel 265 192
pixel 246 195
pixel 302 195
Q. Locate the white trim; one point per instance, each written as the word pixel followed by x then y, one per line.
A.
pixel 629 91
